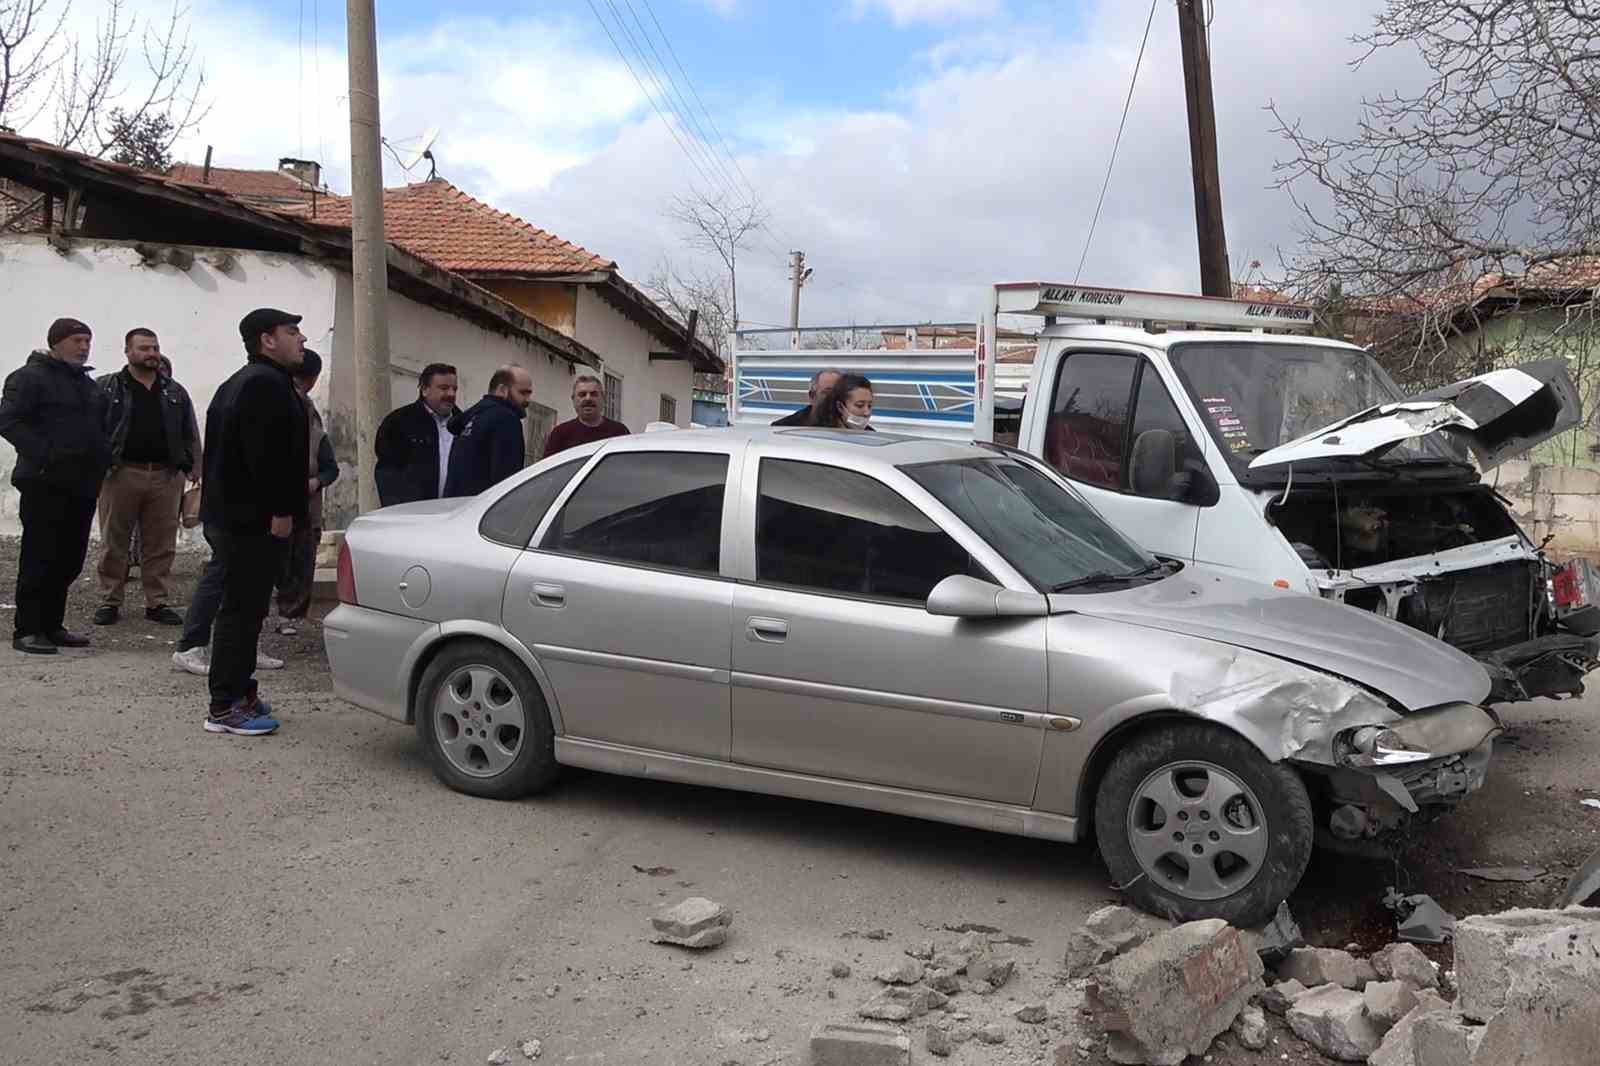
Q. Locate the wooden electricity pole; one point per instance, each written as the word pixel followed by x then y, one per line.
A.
pixel 369 262
pixel 1214 274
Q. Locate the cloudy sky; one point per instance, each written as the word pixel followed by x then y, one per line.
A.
pixel 915 149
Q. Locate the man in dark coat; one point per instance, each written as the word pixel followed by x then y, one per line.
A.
pixel 821 382
pixel 54 416
pixel 489 445
pixel 414 441
pixel 257 453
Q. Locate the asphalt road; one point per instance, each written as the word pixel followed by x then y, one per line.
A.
pixel 171 896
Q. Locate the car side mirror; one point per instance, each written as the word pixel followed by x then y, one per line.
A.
pixel 1202 489
pixel 961 596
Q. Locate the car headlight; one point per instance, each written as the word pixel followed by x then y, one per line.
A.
pixel 1374 746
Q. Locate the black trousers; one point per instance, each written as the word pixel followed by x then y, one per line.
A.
pixel 55 537
pixel 253 562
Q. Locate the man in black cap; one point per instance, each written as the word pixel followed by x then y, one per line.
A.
pixel 254 495
pixel 54 416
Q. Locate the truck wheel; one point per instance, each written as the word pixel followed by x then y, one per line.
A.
pixel 1194 822
pixel 483 723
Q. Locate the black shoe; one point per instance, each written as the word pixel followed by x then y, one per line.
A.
pixel 63 639
pixel 163 615
pixel 106 615
pixel 37 644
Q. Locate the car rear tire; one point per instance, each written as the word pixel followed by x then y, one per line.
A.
pixel 1193 822
pixel 483 723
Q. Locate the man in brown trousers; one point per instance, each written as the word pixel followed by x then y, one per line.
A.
pixel 300 561
pixel 151 425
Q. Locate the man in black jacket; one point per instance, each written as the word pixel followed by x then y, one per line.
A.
pixel 54 417
pixel 414 441
pixel 257 452
pixel 489 445
pixel 821 382
pixel 150 422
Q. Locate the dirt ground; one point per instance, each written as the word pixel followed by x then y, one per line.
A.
pixel 171 896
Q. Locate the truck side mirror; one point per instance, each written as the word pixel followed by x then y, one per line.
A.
pixel 1153 463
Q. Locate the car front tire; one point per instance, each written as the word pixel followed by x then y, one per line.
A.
pixel 1193 822
pixel 483 723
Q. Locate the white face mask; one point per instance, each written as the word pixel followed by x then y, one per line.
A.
pixel 856 421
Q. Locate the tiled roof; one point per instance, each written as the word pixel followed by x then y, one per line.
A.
pixel 274 186
pixel 438 221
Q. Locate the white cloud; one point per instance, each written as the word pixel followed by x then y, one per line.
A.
pixel 903 12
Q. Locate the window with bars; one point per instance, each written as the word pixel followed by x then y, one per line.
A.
pixel 669 409
pixel 613 399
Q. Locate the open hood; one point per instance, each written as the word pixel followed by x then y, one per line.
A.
pixel 1501 415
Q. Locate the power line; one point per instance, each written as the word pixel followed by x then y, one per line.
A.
pixel 1114 144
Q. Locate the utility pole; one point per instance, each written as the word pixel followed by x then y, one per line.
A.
pixel 369 249
pixel 798 275
pixel 1214 278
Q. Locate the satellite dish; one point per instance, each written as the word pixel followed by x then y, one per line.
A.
pixel 424 150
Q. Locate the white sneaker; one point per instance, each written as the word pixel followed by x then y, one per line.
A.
pixel 193 660
pixel 267 662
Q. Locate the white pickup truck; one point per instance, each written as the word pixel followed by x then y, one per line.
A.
pixel 1220 433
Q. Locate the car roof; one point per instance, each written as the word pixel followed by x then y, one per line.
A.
pixel 837 446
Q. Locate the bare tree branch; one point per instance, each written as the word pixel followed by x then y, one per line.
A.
pixel 721 226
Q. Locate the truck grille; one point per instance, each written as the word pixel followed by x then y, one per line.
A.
pixel 1476 610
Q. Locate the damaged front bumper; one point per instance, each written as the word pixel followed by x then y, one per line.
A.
pixel 1422 764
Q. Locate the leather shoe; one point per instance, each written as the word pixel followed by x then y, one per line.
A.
pixel 35 644
pixel 163 615
pixel 106 615
pixel 63 639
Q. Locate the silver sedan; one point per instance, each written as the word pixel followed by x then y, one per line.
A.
pixel 928 628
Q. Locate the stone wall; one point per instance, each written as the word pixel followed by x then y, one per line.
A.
pixel 1562 502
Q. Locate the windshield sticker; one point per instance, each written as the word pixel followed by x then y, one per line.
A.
pixel 1220 409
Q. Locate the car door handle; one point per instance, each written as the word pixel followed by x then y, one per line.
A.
pixel 767 630
pixel 548 595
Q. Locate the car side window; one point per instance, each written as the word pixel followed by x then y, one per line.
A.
pixel 652 508
pixel 1154 410
pixel 515 516
pixel 1084 438
pixel 821 527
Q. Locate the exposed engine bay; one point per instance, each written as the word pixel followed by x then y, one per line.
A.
pixel 1498 608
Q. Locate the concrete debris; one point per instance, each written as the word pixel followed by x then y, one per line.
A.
pixel 1281 996
pixel 1031 1013
pixel 1085 951
pixel 695 923
pixel 531 1049
pixel 989 972
pixel 904 972
pixel 960 1034
pixel 1366 973
pixel 954 961
pixel 945 981
pixel 1121 927
pixel 1399 1046
pixel 839 969
pixel 1583 888
pixel 1333 1020
pixel 1445 1039
pixel 1172 995
pixel 1406 962
pixel 1419 918
pixel 1277 938
pixel 1321 966
pixel 921 952
pixel 854 1044
pixel 741 958
pixel 1387 1002
pixel 899 1003
pixel 991 1034
pixel 1251 1027
pixel 1521 874
pixel 498 1057
pixel 938 1042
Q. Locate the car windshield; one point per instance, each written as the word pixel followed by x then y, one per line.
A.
pixel 1255 396
pixel 1049 535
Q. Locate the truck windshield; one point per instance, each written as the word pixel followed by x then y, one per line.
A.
pixel 1049 535
pixel 1255 396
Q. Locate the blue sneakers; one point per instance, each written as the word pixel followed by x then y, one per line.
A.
pixel 246 718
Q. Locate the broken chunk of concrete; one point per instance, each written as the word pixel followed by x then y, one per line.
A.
pixel 1406 962
pixel 921 952
pixel 1031 1013
pixel 1333 1020
pixel 900 1003
pixel 1085 951
pixel 1387 1002
pixel 840 969
pixel 904 972
pixel 1281 996
pixel 989 972
pixel 1446 1039
pixel 1534 978
pixel 954 961
pixel 695 923
pixel 992 1033
pixel 1320 966
pixel 938 1042
pixel 1251 1027
pixel 945 981
pixel 855 1044
pixel 1399 1045
pixel 1277 938
pixel 1172 995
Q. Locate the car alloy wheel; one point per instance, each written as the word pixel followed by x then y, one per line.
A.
pixel 478 721
pixel 1198 830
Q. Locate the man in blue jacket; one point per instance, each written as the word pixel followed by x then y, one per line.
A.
pixel 489 445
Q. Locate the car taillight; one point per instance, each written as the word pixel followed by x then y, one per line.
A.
pixel 347 575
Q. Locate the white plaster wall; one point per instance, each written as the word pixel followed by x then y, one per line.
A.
pixel 626 351
pixel 195 312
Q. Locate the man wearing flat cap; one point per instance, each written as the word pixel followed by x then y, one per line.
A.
pixel 256 457
pixel 54 416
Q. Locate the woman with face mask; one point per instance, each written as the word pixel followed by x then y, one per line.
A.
pixel 849 404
